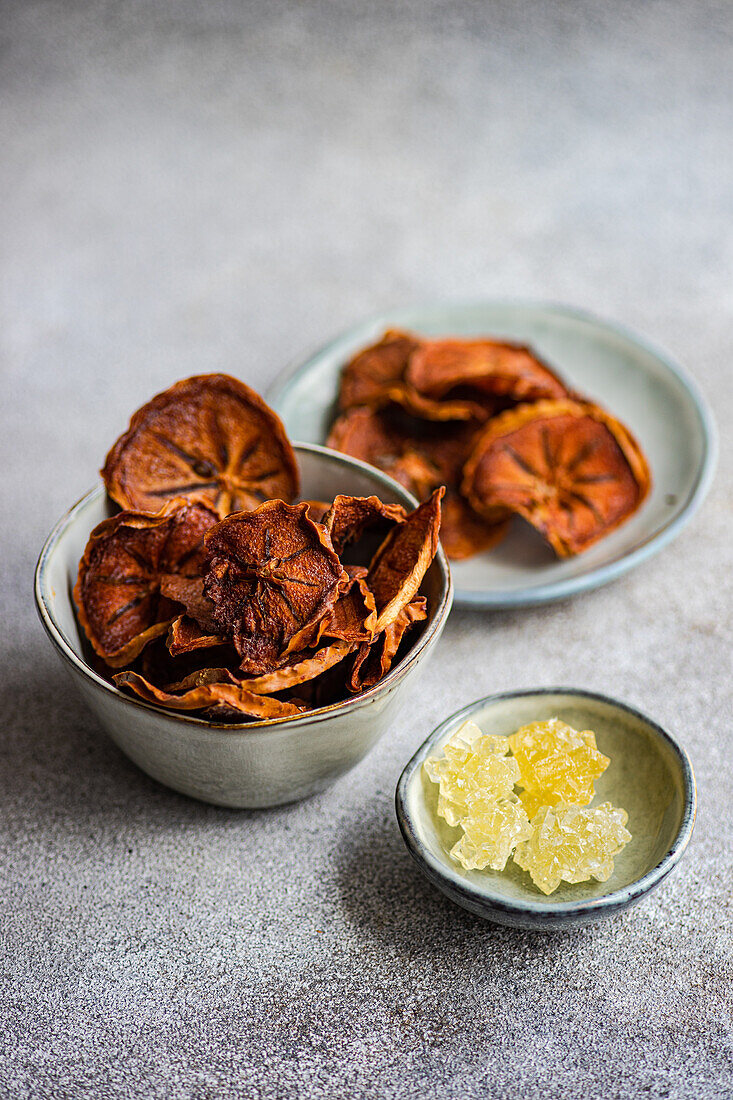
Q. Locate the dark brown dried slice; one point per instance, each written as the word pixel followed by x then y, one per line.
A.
pixel 353 617
pixel 304 668
pixel 209 438
pixel 463 532
pixel 272 577
pixel 189 591
pixel 185 635
pixel 569 468
pixel 500 369
pixel 317 509
pixel 399 565
pixel 126 565
pixel 222 696
pixel 373 661
pixel 349 517
pixel 375 377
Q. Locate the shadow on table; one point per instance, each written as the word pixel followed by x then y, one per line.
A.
pixel 384 894
pixel 58 761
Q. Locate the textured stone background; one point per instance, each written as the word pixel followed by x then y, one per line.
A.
pixel 189 187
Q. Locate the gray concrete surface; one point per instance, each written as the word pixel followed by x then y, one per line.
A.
pixel 189 187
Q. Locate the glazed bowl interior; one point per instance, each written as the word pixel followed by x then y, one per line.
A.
pixel 324 474
pixel 649 776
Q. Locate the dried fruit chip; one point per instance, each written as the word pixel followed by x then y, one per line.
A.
pixel 185 635
pixel 373 660
pixel 125 566
pixel 222 696
pixel 398 567
pixel 569 468
pixel 349 517
pixel 300 671
pixel 375 377
pixel 189 591
pixel 354 615
pixel 464 533
pixel 437 367
pixel 209 438
pixel 273 575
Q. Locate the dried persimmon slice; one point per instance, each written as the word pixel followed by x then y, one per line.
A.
pixel 185 635
pixel 399 565
pixel 353 617
pixel 208 438
pixel 125 566
pixel 464 533
pixel 273 575
pixel 299 671
pixel 207 696
pixel 375 377
pixel 436 367
pixel 349 517
pixel 374 660
pixel 569 468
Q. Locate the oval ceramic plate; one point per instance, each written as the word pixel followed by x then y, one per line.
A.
pixel 640 385
pixel 650 776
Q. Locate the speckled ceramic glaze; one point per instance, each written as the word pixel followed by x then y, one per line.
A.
pixel 256 763
pixel 642 386
pixel 650 776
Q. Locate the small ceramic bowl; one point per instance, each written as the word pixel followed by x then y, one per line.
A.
pixel 252 764
pixel 650 776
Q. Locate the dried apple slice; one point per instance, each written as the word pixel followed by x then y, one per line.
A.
pixel 208 438
pixel 349 517
pixel 437 367
pixel 374 660
pixel 272 577
pixel 221 696
pixel 569 468
pixel 125 566
pixel 399 565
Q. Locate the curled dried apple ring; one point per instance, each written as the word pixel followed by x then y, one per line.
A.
pixel 208 438
pixel 436 367
pixel 273 575
pixel 569 468
pixel 124 569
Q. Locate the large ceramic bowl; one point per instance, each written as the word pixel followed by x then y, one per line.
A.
pixel 251 764
pixel 649 775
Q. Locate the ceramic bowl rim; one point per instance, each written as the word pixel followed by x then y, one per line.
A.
pixel 347 706
pixel 616 899
pixel 552 591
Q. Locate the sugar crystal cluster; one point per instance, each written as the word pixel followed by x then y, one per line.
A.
pixel 549 827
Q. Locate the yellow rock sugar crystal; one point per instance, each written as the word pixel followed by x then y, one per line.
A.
pixel 557 764
pixel 572 844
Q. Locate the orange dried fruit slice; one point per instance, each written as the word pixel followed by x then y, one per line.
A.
pixel 353 617
pixel 463 532
pixel 306 667
pixel 374 660
pixel 568 467
pixel 125 566
pixel 273 575
pixel 208 438
pixel 349 517
pixel 399 565
pixel 375 377
pixel 185 635
pixel 220 697
pixel 437 367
